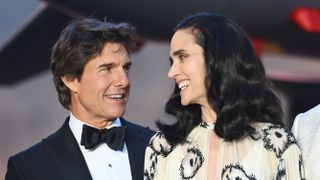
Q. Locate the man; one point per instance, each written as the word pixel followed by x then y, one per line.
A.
pixel 306 129
pixel 90 66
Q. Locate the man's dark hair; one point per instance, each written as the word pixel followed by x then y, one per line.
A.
pixel 81 41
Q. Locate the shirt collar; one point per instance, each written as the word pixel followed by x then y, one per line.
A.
pixel 76 126
pixel 207 125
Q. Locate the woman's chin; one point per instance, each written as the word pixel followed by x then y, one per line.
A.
pixel 185 102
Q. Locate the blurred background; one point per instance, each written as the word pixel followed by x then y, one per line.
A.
pixel 286 35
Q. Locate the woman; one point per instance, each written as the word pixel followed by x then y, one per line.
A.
pixel 228 119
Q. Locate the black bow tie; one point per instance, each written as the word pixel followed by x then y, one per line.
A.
pixel 114 137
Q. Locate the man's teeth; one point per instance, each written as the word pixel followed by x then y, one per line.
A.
pixel 117 96
pixel 183 85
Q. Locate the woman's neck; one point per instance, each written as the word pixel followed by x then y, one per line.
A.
pixel 208 114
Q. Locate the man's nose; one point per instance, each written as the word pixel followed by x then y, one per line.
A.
pixel 122 79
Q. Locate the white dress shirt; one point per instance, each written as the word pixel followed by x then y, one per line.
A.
pixel 103 162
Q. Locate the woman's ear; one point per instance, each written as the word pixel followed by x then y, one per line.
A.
pixel 71 82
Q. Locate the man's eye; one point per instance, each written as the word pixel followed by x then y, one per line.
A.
pixel 107 68
pixel 127 68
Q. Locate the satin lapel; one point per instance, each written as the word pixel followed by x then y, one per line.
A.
pixel 66 154
pixel 137 138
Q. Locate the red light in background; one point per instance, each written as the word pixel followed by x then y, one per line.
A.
pixel 307 18
pixel 258 45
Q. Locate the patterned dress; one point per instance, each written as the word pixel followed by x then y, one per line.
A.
pixel 274 155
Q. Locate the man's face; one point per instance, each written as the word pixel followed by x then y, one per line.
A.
pixel 102 93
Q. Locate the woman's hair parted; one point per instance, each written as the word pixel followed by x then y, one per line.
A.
pixel 237 87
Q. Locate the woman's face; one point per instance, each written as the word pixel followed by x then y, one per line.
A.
pixel 188 68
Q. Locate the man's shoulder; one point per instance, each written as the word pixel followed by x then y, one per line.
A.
pixel 307 123
pixel 36 151
pixel 137 127
pixel 311 115
pixel 29 154
pixel 306 129
pixel 28 162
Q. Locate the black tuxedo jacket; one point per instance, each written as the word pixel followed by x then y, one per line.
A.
pixel 59 156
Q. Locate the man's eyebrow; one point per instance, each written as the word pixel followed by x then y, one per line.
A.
pixel 106 65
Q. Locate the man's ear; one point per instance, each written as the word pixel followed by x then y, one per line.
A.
pixel 71 82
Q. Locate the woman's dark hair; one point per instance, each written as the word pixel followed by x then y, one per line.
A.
pixel 80 41
pixel 237 87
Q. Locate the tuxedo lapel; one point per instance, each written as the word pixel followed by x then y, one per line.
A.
pixel 66 154
pixel 64 151
pixel 137 138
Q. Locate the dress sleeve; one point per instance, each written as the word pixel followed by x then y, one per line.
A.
pixel 149 163
pixel 290 164
pixel 155 157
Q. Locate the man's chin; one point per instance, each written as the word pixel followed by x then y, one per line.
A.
pixel 119 113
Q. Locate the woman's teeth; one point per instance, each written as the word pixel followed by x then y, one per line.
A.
pixel 183 85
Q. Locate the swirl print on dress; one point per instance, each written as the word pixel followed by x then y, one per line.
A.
pixel 160 147
pixel 277 139
pixel 191 163
pixel 235 172
pixel 150 173
pixel 207 125
pixel 301 169
pixel 281 174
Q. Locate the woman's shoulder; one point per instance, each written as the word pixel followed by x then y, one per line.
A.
pixel 275 138
pixel 159 144
pixel 267 128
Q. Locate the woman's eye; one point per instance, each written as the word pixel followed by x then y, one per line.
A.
pixel 182 56
pixel 170 61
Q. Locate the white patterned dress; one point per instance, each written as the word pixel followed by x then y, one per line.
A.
pixel 274 156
